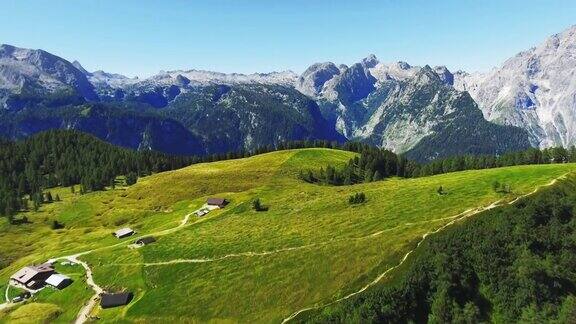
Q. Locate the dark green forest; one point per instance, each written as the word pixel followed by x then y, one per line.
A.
pixel 64 158
pixel 516 263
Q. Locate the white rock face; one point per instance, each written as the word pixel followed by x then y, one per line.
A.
pixel 108 83
pixel 396 71
pixel 16 71
pixel 312 81
pixel 364 97
pixel 39 72
pixel 399 121
pixel 535 90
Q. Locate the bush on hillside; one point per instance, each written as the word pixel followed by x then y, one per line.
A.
pixel 257 205
pixel 131 178
pixel 357 198
pixel 56 225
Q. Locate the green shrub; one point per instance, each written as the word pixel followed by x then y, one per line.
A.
pixel 357 198
pixel 257 205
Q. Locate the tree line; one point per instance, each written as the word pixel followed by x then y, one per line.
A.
pixel 374 164
pixel 65 158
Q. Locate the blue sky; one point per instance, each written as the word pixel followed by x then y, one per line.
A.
pixel 139 37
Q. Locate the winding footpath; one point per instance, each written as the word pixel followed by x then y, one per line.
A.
pixel 86 310
pixel 276 251
pixel 457 218
pixel 84 313
pixel 7 303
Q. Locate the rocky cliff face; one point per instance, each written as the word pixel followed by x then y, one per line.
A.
pixel 397 106
pixel 39 73
pixel 535 90
pixel 247 116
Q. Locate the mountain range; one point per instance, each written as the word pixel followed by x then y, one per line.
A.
pixel 425 112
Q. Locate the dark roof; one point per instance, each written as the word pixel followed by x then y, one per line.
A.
pixel 35 272
pixel 115 300
pixel 217 201
pixel 146 240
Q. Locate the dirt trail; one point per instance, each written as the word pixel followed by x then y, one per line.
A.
pixel 281 250
pixel 466 213
pixel 84 313
pixel 463 215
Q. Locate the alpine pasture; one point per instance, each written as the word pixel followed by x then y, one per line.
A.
pixel 310 248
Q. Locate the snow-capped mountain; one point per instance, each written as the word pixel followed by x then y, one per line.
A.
pixel 36 72
pixel 107 83
pixel 535 90
pixel 425 112
pixel 179 112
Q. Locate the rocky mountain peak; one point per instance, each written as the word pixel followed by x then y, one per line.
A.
pixel 535 90
pixel 315 76
pixel 426 75
pixel 445 75
pixel 41 72
pixel 370 61
pixel 6 50
pixel 182 80
pixel 403 65
pixel 80 67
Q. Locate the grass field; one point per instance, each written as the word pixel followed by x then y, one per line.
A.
pixel 311 247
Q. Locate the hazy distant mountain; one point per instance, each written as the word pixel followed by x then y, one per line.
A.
pixel 535 90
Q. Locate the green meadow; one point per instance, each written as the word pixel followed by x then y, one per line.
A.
pixel 309 248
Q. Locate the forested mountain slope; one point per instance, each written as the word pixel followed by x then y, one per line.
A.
pixel 395 106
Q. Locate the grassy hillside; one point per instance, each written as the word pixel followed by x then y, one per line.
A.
pixel 310 248
pixel 514 264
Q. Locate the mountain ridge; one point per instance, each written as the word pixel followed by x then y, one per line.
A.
pixel 392 105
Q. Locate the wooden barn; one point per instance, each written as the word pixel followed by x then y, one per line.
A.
pixel 33 277
pixel 219 202
pixel 145 240
pixel 115 300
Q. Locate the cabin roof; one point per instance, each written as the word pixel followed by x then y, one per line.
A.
pixel 28 273
pixel 146 240
pixel 57 279
pixel 216 201
pixel 114 300
pixel 124 231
